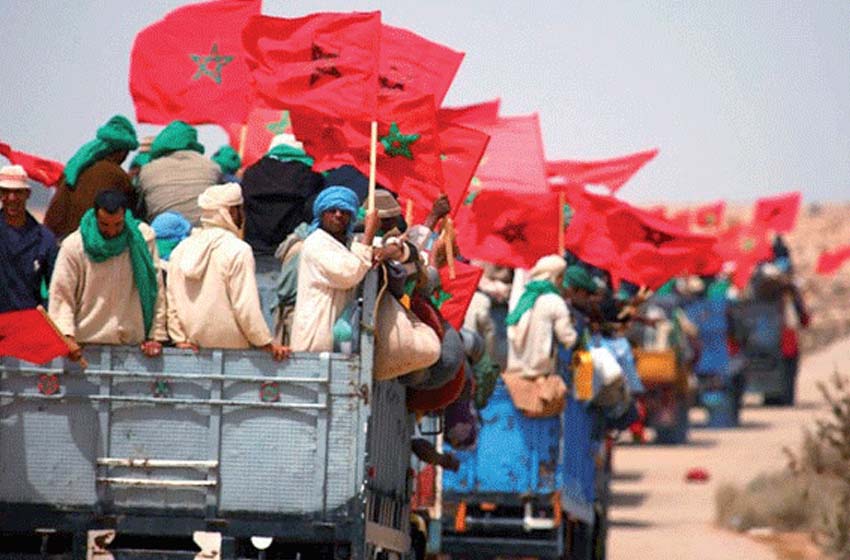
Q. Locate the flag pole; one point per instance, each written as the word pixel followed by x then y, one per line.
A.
pixel 72 347
pixel 243 134
pixel 561 223
pixel 408 213
pixel 449 235
pixel 373 147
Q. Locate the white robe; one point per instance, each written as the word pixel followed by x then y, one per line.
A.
pixel 327 276
pixel 212 292
pixel 98 303
pixel 531 339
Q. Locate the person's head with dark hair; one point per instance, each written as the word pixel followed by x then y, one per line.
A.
pixel 109 208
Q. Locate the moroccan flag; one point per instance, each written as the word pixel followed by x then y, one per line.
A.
pixel 682 219
pixel 28 335
pixel 509 228
pixel 612 173
pixel 587 234
pixel 658 211
pixel 325 62
pixel 45 171
pixel 261 126
pixel 411 65
pixel 653 250
pixel 710 215
pixel 486 113
pixel 458 291
pixel 461 151
pixel 778 213
pixel 746 246
pixel 830 261
pixel 191 66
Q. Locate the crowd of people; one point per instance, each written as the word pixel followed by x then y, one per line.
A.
pixel 197 252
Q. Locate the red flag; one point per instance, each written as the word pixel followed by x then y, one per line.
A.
pixel 486 113
pixel 658 211
pixel 830 261
pixel 462 150
pixel 681 219
pixel 710 215
pixel 45 171
pixel 587 234
pixel 778 213
pixel 653 250
pixel 324 62
pixel 613 173
pixel 191 66
pixel 746 246
pixel 29 335
pixel 509 228
pixel 261 126
pixel 412 65
pixel 460 290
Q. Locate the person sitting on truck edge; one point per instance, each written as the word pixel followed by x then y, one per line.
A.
pixel 27 248
pixel 328 270
pixel 105 287
pixel 540 313
pixel 212 291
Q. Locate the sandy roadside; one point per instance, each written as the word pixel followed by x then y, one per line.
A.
pixel 656 514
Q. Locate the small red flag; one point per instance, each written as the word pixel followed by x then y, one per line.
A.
pixel 681 219
pixel 462 149
pixel 612 173
pixel 778 213
pixel 261 126
pixel 191 66
pixel 746 246
pixel 460 290
pixel 28 335
pixel 411 65
pixel 830 261
pixel 324 62
pixel 509 228
pixel 45 171
pixel 710 215
pixel 480 114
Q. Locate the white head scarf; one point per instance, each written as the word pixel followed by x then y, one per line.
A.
pixel 215 204
pixel 548 268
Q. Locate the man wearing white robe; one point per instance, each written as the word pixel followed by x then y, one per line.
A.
pixel 540 318
pixel 212 290
pixel 329 271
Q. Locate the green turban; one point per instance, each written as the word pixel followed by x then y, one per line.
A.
pixel 141 159
pixel 118 134
pixel 176 136
pixel 227 158
pixel 282 152
pixel 577 277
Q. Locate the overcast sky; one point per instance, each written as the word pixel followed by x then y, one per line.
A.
pixel 742 98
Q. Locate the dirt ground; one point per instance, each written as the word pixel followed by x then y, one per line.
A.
pixel 657 514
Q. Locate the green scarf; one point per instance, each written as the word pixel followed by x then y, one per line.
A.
pixel 227 158
pixel 116 135
pixel 141 159
pixel 176 136
pixel 99 250
pixel 577 277
pixel 533 290
pixel 283 152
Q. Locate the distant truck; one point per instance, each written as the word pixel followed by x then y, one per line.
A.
pixel 136 457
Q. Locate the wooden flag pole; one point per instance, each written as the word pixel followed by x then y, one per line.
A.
pixel 408 213
pixel 449 234
pixel 562 226
pixel 373 149
pixel 72 347
pixel 243 135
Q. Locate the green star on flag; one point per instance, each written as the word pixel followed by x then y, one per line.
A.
pixel 281 126
pixel 398 144
pixel 204 61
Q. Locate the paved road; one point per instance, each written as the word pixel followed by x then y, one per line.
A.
pixel 656 514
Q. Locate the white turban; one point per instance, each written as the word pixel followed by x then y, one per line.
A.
pixel 548 268
pixel 215 204
pixel 287 139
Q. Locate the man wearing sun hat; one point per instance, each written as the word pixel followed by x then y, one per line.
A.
pixel 27 249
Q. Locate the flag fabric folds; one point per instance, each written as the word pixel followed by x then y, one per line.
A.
pixel 459 291
pixel 612 173
pixel 260 127
pixel 710 215
pixel 191 66
pixel 830 261
pixel 45 171
pixel 28 335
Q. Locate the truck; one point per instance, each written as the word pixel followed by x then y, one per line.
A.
pixel 219 454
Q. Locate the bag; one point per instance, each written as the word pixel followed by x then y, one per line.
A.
pixel 537 397
pixel 403 343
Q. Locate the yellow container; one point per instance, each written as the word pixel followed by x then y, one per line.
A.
pixel 656 367
pixel 583 375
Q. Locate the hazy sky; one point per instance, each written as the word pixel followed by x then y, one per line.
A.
pixel 742 98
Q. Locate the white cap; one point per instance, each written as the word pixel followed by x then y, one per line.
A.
pixel 13 177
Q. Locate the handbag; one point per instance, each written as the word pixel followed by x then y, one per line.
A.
pixel 403 343
pixel 537 397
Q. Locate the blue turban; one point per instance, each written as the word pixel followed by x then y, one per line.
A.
pixel 170 228
pixel 335 197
